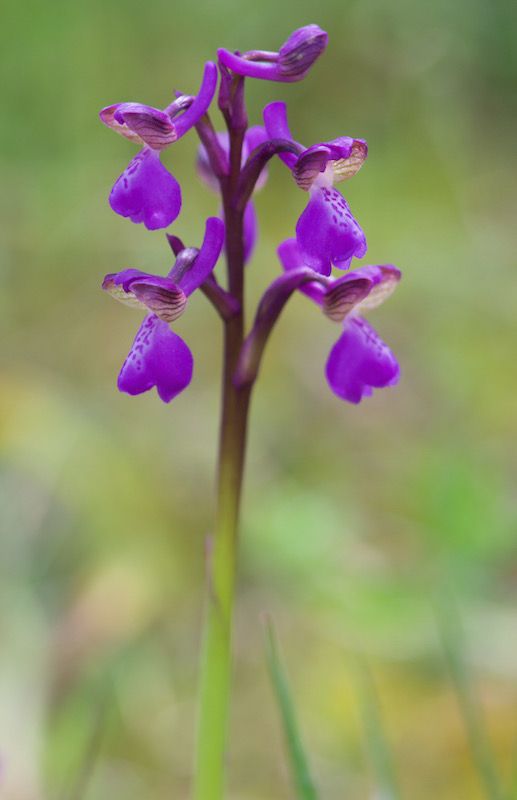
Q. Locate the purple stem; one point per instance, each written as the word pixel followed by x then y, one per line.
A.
pixel 222 300
pixel 216 154
pixel 270 307
pixel 256 162
pixel 216 657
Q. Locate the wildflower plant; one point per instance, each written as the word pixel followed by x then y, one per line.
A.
pixel 233 163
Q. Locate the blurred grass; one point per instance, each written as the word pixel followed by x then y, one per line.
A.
pixel 353 516
pixel 305 788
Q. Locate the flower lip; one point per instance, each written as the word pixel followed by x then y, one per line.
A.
pixel 146 192
pixel 360 362
pixel 327 232
pixel 158 358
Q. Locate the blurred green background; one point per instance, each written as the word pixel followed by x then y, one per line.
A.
pixel 363 527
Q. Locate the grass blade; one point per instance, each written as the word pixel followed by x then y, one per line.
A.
pixel 300 769
pixel 376 740
pixel 80 782
pixel 452 636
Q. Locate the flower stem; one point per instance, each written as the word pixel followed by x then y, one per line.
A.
pixel 222 557
pixel 222 562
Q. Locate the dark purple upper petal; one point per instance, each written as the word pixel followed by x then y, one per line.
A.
pixel 108 117
pixel 359 362
pixel 344 156
pixel 154 127
pixel 146 192
pixel 158 357
pixel 327 233
pixel 154 293
pixel 346 294
pixel 384 277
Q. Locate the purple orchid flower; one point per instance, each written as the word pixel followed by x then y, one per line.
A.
pixel 359 361
pixel 158 356
pixel 291 63
pixel 326 231
pixel 254 137
pixel 146 191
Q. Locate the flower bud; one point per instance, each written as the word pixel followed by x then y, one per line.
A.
pixel 301 50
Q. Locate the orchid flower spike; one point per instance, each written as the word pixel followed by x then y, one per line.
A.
pixel 158 356
pixel 146 191
pixel 291 63
pixel 326 232
pixel 359 361
pixel 254 137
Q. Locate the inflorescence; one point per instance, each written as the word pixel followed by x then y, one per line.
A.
pixel 327 234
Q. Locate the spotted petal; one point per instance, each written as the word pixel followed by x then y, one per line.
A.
pixel 359 362
pixel 327 233
pixel 158 357
pixel 146 192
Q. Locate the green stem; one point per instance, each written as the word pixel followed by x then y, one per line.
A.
pixel 222 557
pixel 222 562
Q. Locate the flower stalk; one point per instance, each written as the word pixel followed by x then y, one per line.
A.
pixel 223 547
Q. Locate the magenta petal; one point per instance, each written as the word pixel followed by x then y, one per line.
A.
pixel 250 230
pixel 291 258
pixel 277 127
pixel 327 233
pixel 206 259
pixel 359 362
pixel 146 192
pixel 254 137
pixel 158 357
pixel 263 70
pixel 202 101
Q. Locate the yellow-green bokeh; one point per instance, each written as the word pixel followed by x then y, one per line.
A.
pixel 355 519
